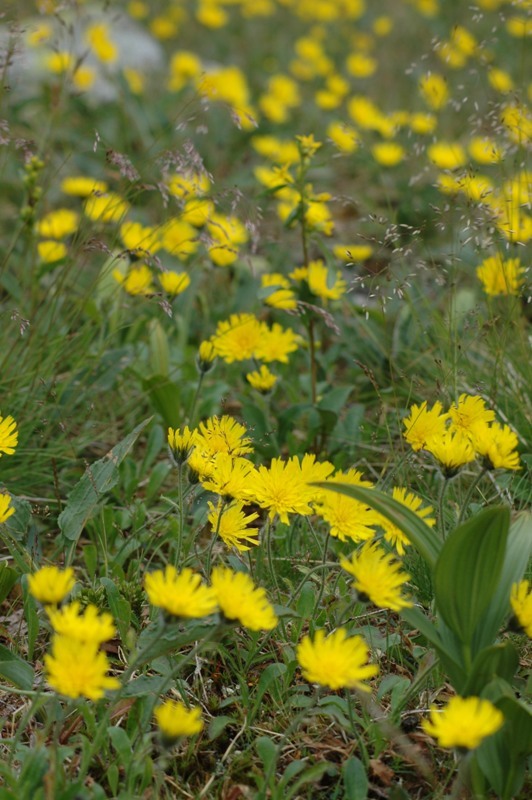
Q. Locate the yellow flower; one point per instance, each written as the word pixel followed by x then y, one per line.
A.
pixel 241 600
pixel 50 585
pixel 51 251
pixel 344 136
pixel 174 282
pixel 138 280
pixel 223 435
pixel 500 277
pixel 238 338
pixel 464 722
pixel 395 535
pixel 308 146
pixel 179 238
pixel 82 186
pixel 353 252
pixel 97 37
pixel 88 626
pixel 107 207
pixel 452 449
pixel 378 577
pixel 422 424
pixel 262 380
pixel 485 150
pixel 276 343
pixel 78 669
pixel 58 224
pixel 469 411
pixel 497 445
pixel 348 518
pixel 447 155
pixel 323 283
pixel 139 239
pixel 337 661
pixel 388 154
pixel 180 594
pixel 521 602
pixel 175 719
pixel 6 509
pixel 280 296
pixel 231 524
pixel 8 435
pixel 434 90
pixel 229 477
pixel 181 443
pixel 185 66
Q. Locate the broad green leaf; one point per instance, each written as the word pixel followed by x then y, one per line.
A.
pixel 266 680
pixel 499 660
pixel 356 782
pixel 165 397
pixel 8 578
pixel 468 570
pixel 267 751
pixel 518 551
pixel 311 775
pixel 219 724
pixel 120 608
pixel 418 532
pixel 15 669
pixel 98 479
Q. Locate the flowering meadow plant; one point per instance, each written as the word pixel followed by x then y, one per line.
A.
pixel 265 422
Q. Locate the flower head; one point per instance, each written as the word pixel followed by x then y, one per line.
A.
pixel 422 424
pixel 223 435
pixel 206 356
pixel 262 380
pixel 138 280
pixel 324 283
pixel 174 282
pixel 180 594
pixel 451 449
pixel 8 435
pixel 469 411
pixel 348 518
pixel 232 525
pixel 395 535
pixel 78 669
pixel 497 445
pixel 378 577
pixel 228 476
pixel 336 661
pixel 50 585
pixel 521 602
pixel 500 277
pixel 241 600
pixel 181 443
pixel 464 722
pixel 88 626
pixel 175 719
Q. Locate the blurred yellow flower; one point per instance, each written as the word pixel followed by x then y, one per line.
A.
pixel 137 281
pixel 174 283
pixel 50 585
pixel 500 277
pixel 83 626
pixel 434 90
pixel 174 720
pixel 395 535
pixel 181 594
pixel 242 601
pixel 262 379
pixel 521 602
pixel 58 224
pixel 388 154
pixel 378 577
pixel 6 509
pixel 464 722
pixel 78 669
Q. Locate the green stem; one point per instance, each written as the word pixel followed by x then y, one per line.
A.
pixel 469 494
pixel 354 730
pixel 441 497
pixel 313 365
pixel 192 409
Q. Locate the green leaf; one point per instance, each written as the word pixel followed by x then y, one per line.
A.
pixel 218 725
pixel 266 680
pixel 499 660
pixel 468 570
pixel 8 578
pixel 311 775
pixel 356 782
pixel 15 669
pixel 518 550
pixel 121 744
pixel 267 751
pixel 165 397
pixel 97 480
pixel 120 608
pixel 418 532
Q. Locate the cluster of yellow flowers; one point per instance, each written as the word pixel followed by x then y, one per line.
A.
pixel 458 436
pixel 8 444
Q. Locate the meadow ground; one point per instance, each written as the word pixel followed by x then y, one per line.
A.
pixel 265 399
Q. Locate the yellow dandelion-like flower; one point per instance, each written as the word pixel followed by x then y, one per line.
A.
pixel 232 525
pixel 378 577
pixel 434 90
pixel 238 338
pixel 497 445
pixel 180 594
pixel 58 224
pixel 82 185
pixel 452 449
pixel 107 207
pixel 174 282
pixel 175 720
pixel 348 518
pixel 395 535
pixel 6 509
pixel 78 669
pixel 468 412
pixel 241 600
pixel 388 154
pixel 51 251
pixel 276 343
pixel 423 424
pixel 464 722
pixel 500 277
pixel 229 477
pixel 338 661
pixel 87 626
pixel 521 602
pixel 181 443
pixel 262 380
pixel 8 435
pixel 50 585
pixel 138 280
pixel 223 435
pixel 447 155
pixel 324 283
pixel 282 488
pixel 206 356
